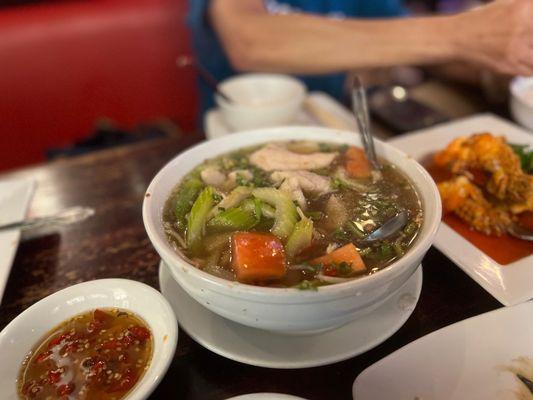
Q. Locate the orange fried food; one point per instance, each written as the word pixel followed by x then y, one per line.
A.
pixel 527 203
pixel 465 199
pixel 491 155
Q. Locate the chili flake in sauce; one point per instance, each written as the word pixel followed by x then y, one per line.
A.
pixel 99 354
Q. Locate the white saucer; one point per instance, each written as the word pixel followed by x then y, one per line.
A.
pixel 267 349
pixel 266 396
pixel 320 110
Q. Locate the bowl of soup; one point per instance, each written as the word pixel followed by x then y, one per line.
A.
pixel 269 228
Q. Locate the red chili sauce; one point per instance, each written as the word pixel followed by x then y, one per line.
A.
pixel 99 354
pixel 503 249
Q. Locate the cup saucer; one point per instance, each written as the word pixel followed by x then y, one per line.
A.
pixel 273 350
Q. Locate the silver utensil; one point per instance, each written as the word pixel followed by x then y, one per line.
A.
pixel 360 110
pixel 389 228
pixel 520 232
pixel 63 217
pixel 212 82
pixel 525 381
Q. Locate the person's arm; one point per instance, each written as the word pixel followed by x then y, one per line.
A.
pixel 499 35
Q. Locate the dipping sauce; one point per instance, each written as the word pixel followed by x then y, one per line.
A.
pixel 100 354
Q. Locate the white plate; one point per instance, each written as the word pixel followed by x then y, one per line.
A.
pixel 266 396
pixel 267 349
pixel 509 284
pixel 467 360
pixel 15 196
pixel 17 338
pixel 331 111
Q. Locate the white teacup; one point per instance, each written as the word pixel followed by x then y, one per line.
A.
pixel 260 100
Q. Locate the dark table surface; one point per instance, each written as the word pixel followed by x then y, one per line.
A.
pixel 113 243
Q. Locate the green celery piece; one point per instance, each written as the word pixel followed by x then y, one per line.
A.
pixel 198 217
pixel 285 216
pixel 267 210
pixel 300 238
pixel 184 200
pixel 233 219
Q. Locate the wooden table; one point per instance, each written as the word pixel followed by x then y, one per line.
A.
pixel 113 243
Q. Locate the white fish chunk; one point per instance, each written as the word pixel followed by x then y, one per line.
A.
pixel 336 214
pixel 232 177
pixel 292 188
pixel 212 176
pixel 274 157
pixel 309 182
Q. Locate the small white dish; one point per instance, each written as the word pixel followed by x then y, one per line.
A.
pixel 509 284
pixel 471 359
pixel 260 100
pixel 521 89
pixel 273 350
pixel 320 109
pixel 266 396
pixel 15 196
pixel 19 337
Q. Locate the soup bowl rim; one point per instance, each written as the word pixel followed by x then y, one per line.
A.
pixel 416 251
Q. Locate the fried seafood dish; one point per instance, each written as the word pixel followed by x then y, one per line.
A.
pixel 489 187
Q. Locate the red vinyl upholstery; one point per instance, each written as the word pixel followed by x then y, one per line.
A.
pixel 64 65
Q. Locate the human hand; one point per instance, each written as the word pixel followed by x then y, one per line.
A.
pixel 498 36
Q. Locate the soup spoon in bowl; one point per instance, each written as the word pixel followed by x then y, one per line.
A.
pixel 360 110
pixel 389 228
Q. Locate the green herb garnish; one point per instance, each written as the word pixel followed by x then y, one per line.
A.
pixel 525 155
pixel 308 285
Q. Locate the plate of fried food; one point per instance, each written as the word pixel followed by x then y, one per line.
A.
pixel 483 166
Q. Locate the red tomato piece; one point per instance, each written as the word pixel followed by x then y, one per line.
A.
pixel 111 344
pixel 98 367
pixel 101 319
pixel 126 382
pixel 357 164
pixel 140 333
pixel 257 256
pixel 54 377
pixel 65 390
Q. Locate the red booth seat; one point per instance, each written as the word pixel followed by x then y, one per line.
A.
pixel 65 65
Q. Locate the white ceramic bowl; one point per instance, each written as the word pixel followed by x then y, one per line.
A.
pixel 19 337
pixel 261 100
pixel 288 310
pixel 522 109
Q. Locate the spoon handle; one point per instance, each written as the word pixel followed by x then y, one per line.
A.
pixel 210 80
pixel 360 110
pixel 64 217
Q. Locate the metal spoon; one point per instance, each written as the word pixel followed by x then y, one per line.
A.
pixel 525 381
pixel 389 228
pixel 360 110
pixel 520 232
pixel 63 217
pixel 212 82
